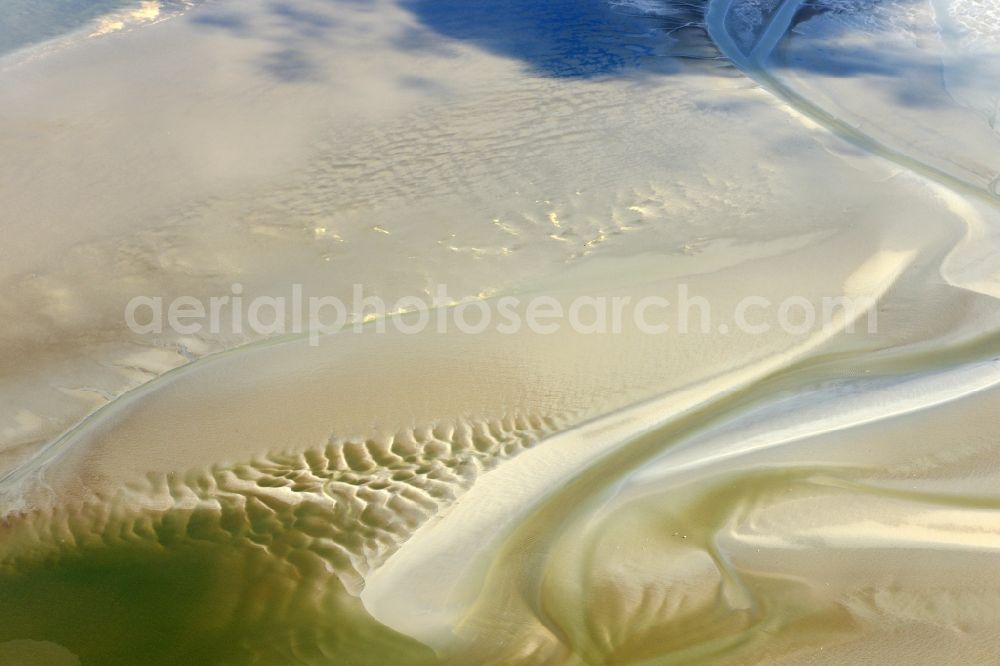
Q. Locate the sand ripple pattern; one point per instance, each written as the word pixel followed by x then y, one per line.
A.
pixel 313 523
pixel 352 503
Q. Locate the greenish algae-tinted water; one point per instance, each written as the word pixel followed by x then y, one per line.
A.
pixel 199 603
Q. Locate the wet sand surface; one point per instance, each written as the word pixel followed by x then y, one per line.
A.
pixel 819 495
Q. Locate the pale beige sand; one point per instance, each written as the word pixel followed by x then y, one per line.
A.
pixel 522 498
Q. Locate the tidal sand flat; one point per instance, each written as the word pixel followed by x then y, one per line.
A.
pixel 513 332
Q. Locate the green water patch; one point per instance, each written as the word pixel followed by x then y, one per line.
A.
pixel 192 603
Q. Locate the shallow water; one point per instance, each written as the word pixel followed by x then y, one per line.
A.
pixel 46 23
pixel 27 22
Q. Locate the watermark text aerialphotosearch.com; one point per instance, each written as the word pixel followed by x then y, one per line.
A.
pixel 682 312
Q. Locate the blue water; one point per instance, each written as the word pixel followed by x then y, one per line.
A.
pixel 25 22
pixel 570 38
